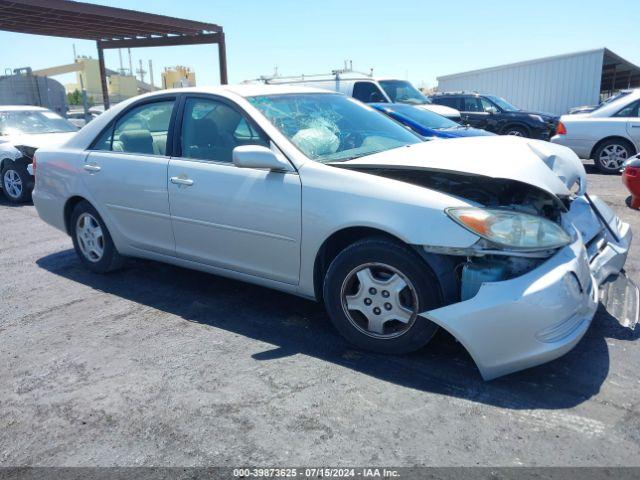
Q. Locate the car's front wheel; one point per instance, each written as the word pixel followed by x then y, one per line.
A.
pixel 375 289
pixel 16 182
pixel 516 131
pixel 611 154
pixel 92 241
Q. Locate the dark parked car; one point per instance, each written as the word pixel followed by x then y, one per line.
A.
pixel 426 123
pixel 495 114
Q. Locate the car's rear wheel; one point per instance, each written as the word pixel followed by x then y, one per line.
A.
pixel 92 241
pixel 611 154
pixel 374 291
pixel 16 182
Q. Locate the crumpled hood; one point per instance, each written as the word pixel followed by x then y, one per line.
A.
pixel 37 140
pixel 545 165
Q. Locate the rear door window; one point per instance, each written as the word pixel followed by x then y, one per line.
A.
pixel 471 104
pixel 630 110
pixel 453 102
pixel 143 129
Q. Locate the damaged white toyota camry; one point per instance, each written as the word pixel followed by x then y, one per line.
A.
pixel 494 239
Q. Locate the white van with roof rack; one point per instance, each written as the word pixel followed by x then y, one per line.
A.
pixel 368 89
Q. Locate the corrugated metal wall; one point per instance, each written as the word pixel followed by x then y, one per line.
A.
pixel 551 85
pixel 33 90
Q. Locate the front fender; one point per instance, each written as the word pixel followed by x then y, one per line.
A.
pixel 335 199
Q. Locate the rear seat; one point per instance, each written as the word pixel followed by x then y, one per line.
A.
pixel 141 141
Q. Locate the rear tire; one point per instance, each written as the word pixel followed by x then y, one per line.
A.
pixel 611 154
pixel 17 184
pixel 389 285
pixel 92 241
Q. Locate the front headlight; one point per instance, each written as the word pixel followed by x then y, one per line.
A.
pixel 510 229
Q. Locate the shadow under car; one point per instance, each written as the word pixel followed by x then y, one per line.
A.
pixel 297 326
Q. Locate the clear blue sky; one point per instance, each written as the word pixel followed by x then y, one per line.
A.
pixel 413 39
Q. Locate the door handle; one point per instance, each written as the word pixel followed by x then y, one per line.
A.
pixel 187 182
pixel 91 168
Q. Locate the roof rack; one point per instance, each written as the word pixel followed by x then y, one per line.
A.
pixel 336 74
pixel 459 92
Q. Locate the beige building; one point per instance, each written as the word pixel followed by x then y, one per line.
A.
pixel 87 70
pixel 177 77
pixel 120 87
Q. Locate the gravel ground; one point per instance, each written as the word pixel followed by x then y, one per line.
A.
pixel 157 365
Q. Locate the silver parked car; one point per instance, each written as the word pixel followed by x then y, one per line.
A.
pixel 610 134
pixel 310 192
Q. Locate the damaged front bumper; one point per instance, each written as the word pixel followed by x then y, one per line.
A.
pixel 525 321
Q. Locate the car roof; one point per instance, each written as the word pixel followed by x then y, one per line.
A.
pixel 21 108
pixel 457 94
pixel 248 90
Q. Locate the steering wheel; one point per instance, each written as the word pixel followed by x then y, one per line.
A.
pixel 351 140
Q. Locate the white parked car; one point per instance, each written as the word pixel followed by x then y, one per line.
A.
pixel 374 90
pixel 313 193
pixel 609 135
pixel 78 117
pixel 24 129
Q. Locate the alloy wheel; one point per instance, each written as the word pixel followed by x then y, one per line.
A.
pixel 90 237
pixel 12 184
pixel 515 133
pixel 613 156
pixel 379 300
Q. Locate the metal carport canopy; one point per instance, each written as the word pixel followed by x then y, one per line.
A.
pixel 109 27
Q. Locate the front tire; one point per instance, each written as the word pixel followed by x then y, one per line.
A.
pixel 374 290
pixel 516 131
pixel 17 184
pixel 611 154
pixel 92 241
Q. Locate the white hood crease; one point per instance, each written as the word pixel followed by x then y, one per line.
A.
pixel 37 140
pixel 440 110
pixel 548 166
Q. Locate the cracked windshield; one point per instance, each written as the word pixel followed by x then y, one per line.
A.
pixel 330 128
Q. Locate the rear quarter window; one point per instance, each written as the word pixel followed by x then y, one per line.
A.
pixel 453 102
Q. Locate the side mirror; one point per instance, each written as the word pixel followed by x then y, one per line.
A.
pixel 257 156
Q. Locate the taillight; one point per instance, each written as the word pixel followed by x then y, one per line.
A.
pixel 33 165
pixel 561 129
pixel 632 171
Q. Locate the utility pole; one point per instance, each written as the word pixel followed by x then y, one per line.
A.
pixel 153 87
pixel 130 64
pixel 141 72
pixel 121 71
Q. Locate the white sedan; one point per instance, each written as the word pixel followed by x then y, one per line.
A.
pixel 313 193
pixel 24 129
pixel 609 135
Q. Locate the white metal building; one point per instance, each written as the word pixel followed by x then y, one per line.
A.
pixel 552 84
